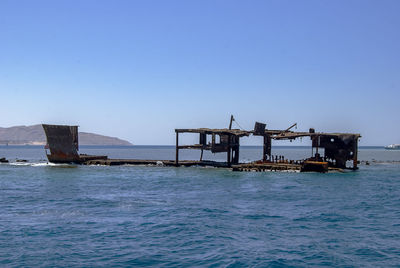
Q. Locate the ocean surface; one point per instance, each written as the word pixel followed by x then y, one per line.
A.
pixel 123 216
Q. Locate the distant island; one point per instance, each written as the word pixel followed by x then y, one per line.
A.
pixel 34 135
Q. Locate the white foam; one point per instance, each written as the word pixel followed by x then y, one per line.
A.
pixel 20 164
pixel 45 164
pixel 37 164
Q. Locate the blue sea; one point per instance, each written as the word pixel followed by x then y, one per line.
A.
pixel 124 216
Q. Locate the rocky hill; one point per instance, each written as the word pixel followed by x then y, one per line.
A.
pixel 34 135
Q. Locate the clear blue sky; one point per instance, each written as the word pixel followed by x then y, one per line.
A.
pixel 139 69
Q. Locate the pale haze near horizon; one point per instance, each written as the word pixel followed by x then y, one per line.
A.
pixel 139 69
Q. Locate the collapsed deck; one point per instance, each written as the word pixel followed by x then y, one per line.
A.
pixel 143 162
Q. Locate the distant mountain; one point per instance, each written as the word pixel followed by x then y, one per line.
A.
pixel 34 135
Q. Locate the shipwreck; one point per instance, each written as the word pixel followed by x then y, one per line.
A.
pixel 339 150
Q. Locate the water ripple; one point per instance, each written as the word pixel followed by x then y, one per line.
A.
pixel 168 217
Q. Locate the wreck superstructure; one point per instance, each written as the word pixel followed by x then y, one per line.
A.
pixel 339 148
pixel 221 141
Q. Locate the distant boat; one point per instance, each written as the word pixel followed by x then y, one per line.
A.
pixel 393 147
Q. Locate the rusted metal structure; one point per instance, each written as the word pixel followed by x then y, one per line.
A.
pixel 338 148
pixel 222 140
pixel 62 141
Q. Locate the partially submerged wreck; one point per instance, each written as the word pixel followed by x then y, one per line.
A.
pixel 338 149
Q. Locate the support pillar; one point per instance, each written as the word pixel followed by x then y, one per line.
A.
pixel 229 158
pixel 177 150
pixel 355 154
pixel 267 147
pixel 236 151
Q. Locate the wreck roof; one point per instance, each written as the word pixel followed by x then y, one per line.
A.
pixel 226 131
pixel 275 134
pixel 281 135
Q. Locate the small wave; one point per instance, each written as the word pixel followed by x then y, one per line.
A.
pixel 47 164
pixel 38 164
pixel 20 164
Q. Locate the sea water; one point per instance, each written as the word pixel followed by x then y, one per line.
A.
pixel 82 216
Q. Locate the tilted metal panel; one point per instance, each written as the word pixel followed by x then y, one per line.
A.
pixel 259 128
pixel 62 142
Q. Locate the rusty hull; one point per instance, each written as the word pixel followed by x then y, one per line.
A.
pixel 63 144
